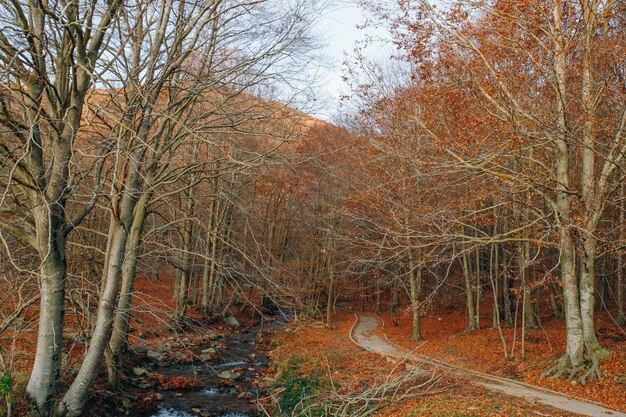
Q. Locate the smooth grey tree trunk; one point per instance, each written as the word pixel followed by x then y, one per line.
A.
pixel 75 399
pixel 469 293
pixel 378 290
pixel 119 336
pixel 621 317
pixel 555 306
pixel 208 273
pixel 573 322
pixel 185 271
pixel 478 286
pixel 395 303
pixel 47 366
pixel 415 283
pixel 530 320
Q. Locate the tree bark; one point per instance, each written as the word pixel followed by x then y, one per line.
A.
pixel 621 317
pixel 119 337
pixel 47 366
pixel 478 285
pixel 555 306
pixel 469 293
pixel 415 289
pixel 378 290
pixel 530 320
pixel 74 400
pixel 395 303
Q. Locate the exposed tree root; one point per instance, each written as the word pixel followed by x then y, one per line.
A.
pixel 588 368
pixel 467 331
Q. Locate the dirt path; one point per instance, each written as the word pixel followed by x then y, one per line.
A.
pixel 364 333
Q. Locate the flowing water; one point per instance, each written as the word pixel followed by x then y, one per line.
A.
pixel 215 397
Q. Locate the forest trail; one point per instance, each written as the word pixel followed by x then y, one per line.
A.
pixel 365 333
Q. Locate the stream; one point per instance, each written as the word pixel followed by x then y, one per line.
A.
pixel 218 397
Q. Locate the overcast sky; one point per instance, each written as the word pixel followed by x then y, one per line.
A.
pixel 338 27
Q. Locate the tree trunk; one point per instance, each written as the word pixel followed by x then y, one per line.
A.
pixel 181 297
pixel 415 288
pixel 331 294
pixel 378 290
pixel 496 308
pixel 331 281
pixel 74 400
pixel 478 286
pixel 469 293
pixel 621 317
pixel 506 298
pixel 575 347
pixel 395 303
pixel 555 307
pixel 331 273
pixel 573 322
pixel 594 352
pixel 530 320
pixel 47 366
pixel 119 337
pixel 185 271
pixel 493 277
pixel 208 271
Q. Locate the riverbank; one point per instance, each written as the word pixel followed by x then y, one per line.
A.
pixel 208 374
pixel 211 369
pixel 206 368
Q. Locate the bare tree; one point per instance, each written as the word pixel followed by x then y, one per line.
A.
pixel 49 56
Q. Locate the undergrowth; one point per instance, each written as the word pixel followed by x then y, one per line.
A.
pixel 302 395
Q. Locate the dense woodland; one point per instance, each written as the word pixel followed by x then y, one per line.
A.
pixel 480 170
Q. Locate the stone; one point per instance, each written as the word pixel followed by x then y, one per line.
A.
pixel 139 349
pixel 182 357
pixel 159 396
pixel 178 394
pixel 206 357
pixel 139 371
pixel 230 375
pixel 231 321
pixel 210 351
pixel 155 356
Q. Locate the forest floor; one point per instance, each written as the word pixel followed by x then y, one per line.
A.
pixel 328 367
pixel 482 350
pixel 339 370
pixel 369 333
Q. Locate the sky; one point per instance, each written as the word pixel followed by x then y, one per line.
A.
pixel 338 27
